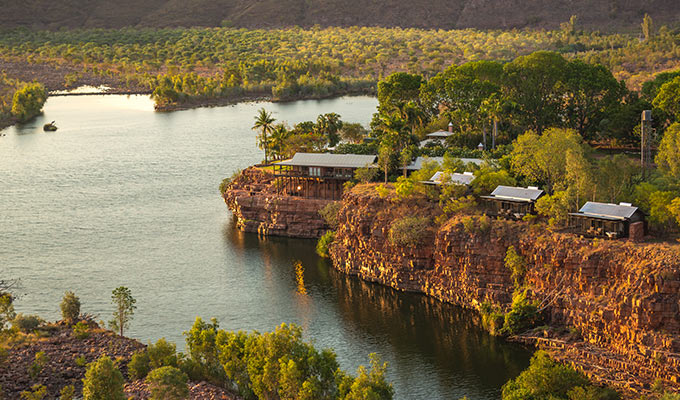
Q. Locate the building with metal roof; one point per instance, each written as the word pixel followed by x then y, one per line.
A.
pixel 607 220
pixel 512 202
pixel 419 161
pixel 329 160
pixel 440 178
pixel 319 175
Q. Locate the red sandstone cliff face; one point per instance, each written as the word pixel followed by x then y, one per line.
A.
pixel 622 297
pixel 257 208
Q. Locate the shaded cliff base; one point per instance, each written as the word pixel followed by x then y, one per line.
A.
pixel 610 308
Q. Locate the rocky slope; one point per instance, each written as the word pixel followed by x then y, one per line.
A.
pixel 611 308
pixel 437 14
pixel 66 362
pixel 621 300
pixel 257 208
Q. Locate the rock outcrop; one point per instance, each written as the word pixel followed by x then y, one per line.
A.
pixel 252 198
pixel 612 308
pixel 622 298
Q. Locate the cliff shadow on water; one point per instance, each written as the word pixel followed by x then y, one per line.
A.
pixel 433 348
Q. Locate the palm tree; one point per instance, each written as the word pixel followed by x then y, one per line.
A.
pixel 493 108
pixel 264 121
pixel 278 138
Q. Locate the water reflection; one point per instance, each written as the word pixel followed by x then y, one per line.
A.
pixel 438 348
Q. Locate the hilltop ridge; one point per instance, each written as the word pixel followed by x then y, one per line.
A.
pixel 435 14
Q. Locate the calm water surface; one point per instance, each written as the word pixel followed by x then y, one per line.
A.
pixel 122 195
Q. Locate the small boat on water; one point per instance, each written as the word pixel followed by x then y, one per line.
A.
pixel 51 127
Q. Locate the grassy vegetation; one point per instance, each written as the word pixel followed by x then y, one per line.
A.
pixel 184 65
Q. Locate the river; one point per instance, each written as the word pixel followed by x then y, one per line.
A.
pixel 121 195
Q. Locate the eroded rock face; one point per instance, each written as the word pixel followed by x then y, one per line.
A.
pixel 622 297
pixel 257 208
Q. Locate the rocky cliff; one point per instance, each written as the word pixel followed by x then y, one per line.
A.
pixel 620 300
pixel 252 198
pixel 611 308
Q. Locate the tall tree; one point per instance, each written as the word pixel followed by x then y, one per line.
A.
pixel 395 91
pixel 329 125
pixel 668 98
pixel 668 157
pixel 125 307
pixel 591 92
pixel 534 83
pixel 647 27
pixel 265 122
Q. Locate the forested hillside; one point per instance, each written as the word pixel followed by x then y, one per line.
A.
pixel 441 14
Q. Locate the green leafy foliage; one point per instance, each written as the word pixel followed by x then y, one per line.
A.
pixel 522 316
pixel 70 307
pixel 329 213
pixel 324 242
pixel 81 330
pixel 546 379
pixel 67 392
pixel 161 354
pixel 27 323
pixel 103 381
pixel 40 360
pixel 278 365
pixel 28 101
pixel 125 307
pixel 409 231
pixel 168 383
pixel 516 264
pixel 37 392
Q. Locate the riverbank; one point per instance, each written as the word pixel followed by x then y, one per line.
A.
pixel 610 307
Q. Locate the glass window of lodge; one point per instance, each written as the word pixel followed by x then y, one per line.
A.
pixel 314 171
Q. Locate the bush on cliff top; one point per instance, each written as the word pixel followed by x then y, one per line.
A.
pixel 546 379
pixel 70 307
pixel 168 383
pixel 409 231
pixel 329 213
pixel 103 381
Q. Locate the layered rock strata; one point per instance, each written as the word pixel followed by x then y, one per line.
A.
pixel 619 300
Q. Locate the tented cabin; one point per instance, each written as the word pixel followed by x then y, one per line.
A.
pixel 318 175
pixel 512 202
pixel 440 178
pixel 608 220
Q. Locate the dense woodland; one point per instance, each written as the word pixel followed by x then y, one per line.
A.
pixel 192 65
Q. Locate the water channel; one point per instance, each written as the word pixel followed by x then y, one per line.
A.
pixel 121 195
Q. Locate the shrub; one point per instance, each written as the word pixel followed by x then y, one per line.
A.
pixel 522 316
pixel 324 242
pixel 382 191
pixel 103 381
pixel 7 313
pixel 39 362
pixel 556 207
pixel 476 225
pixel 70 307
pixel 492 318
pixel 139 365
pixel 547 379
pixel 366 175
pixel 371 384
pixel 67 392
pixel 162 354
pixel 516 264
pixel 409 231
pixel 27 323
pixel 37 392
pixel 81 330
pixel 81 361
pixel 404 187
pixel 168 383
pixel 329 213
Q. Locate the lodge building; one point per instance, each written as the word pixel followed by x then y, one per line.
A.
pixel 609 220
pixel 319 175
pixel 512 202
